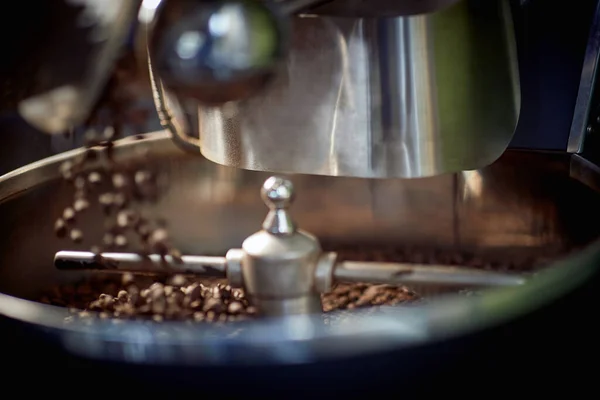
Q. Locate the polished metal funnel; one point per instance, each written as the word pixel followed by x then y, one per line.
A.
pixel 378 97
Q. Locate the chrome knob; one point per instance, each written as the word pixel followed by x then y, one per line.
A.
pixel 278 195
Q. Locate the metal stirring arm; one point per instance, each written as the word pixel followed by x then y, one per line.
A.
pixel 282 269
pixel 345 271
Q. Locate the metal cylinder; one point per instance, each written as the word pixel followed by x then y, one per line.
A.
pixel 390 97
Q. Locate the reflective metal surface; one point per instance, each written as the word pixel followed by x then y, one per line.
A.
pixel 398 97
pixel 215 52
pixel 525 204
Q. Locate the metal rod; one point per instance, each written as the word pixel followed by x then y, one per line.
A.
pixel 395 273
pixel 130 262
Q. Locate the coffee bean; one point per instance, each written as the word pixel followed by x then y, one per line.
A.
pixel 157 290
pixel 177 280
pixel 60 228
pixel 108 239
pixel 142 178
pixel 69 214
pixel 120 181
pixel 79 183
pixel 123 296
pixel 91 136
pixel 106 199
pixel 126 218
pixel 120 200
pixel 80 205
pixel 127 279
pixel 235 307
pixel 135 297
pixel 159 236
pixel 109 133
pixel 177 297
pixel 66 170
pixel 213 304
pixel 159 305
pixel 76 235
pixel 96 306
pixel 199 316
pixel 94 178
pixel 176 255
pixel 196 305
pixel 120 241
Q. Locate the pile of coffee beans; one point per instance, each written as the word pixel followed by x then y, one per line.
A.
pixel 181 298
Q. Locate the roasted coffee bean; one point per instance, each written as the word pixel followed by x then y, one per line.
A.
pixel 69 214
pixel 194 292
pixel 109 133
pixel 108 239
pixel 80 205
pixel 157 290
pixel 126 218
pixel 159 305
pixel 176 255
pixel 120 241
pixel 196 305
pixel 142 178
pixel 76 235
pixel 60 228
pixel 94 178
pixel 120 180
pixel 106 199
pixel 177 280
pixel 91 136
pixel 123 296
pixel 66 170
pixel 158 236
pixel 235 307
pixel 120 200
pixel 79 183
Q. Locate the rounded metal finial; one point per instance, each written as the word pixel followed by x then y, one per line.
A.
pixel 277 192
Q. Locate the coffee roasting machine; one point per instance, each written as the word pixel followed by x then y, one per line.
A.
pixel 464 126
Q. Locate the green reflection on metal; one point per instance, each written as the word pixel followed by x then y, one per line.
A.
pixel 474 71
pixel 265 35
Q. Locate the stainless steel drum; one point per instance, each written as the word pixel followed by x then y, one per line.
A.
pixel 524 205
